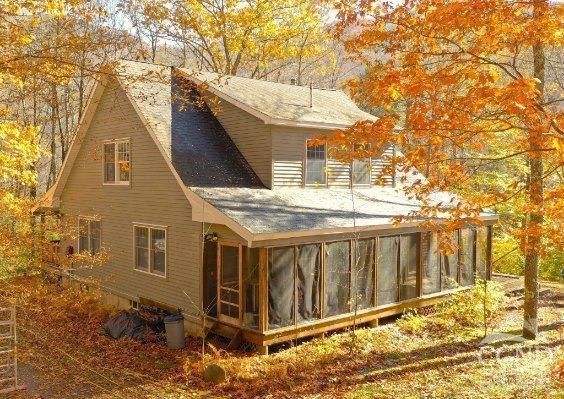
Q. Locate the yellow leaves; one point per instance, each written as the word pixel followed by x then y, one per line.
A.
pixel 55 8
pixel 19 151
pixel 394 93
pixel 494 73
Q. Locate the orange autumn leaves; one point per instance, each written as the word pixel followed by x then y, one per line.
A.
pixel 456 84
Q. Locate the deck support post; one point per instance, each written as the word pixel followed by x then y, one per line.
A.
pixel 373 323
pixel 262 349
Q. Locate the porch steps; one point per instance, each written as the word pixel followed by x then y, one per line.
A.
pixel 234 334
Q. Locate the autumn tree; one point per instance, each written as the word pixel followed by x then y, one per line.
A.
pixel 257 37
pixel 46 47
pixel 481 91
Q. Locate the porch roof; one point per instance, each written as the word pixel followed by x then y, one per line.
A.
pixel 264 211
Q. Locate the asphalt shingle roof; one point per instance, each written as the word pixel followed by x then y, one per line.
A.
pixel 280 102
pixel 212 166
pixel 294 209
pixel 199 148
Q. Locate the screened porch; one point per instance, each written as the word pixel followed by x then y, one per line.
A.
pixel 268 292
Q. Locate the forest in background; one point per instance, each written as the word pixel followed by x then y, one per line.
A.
pixel 52 51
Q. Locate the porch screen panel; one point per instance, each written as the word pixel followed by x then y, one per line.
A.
pixel 280 287
pixel 251 288
pixel 387 270
pixel 467 257
pixel 431 264
pixel 308 282
pixel 481 251
pixel 363 274
pixel 409 261
pixel 337 278
pixel 449 266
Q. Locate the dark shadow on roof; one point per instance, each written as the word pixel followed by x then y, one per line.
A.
pixel 201 150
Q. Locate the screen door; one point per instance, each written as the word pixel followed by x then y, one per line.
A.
pixel 229 287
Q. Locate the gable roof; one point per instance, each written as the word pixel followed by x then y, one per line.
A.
pixel 283 104
pixel 217 180
pixel 196 143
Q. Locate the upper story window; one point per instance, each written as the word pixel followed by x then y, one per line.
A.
pixel 360 169
pixel 316 164
pixel 150 249
pixel 89 235
pixel 117 162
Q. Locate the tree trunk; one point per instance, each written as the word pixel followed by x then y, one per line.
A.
pixel 534 228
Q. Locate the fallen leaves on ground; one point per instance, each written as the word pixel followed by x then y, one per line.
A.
pixel 63 348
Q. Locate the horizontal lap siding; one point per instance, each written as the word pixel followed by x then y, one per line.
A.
pixel 338 173
pixel 378 165
pixel 288 153
pixel 154 197
pixel 288 150
pixel 251 136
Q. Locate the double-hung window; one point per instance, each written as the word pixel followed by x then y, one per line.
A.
pixel 150 249
pixel 360 168
pixel 316 164
pixel 117 162
pixel 89 235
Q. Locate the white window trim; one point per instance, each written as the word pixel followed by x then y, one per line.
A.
pixel 116 181
pixel 305 183
pixel 89 219
pixel 369 160
pixel 353 184
pixel 149 258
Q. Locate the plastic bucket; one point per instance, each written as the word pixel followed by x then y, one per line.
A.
pixel 174 326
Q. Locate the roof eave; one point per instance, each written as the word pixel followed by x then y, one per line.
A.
pixel 296 234
pixel 306 124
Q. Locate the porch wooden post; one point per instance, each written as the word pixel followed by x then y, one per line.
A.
pixel 263 289
pixel 263 296
pixel 420 267
pixel 489 253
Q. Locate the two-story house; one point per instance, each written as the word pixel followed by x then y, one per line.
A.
pixel 207 198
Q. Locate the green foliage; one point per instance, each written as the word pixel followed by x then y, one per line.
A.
pixel 552 266
pixel 479 307
pixel 411 322
pixel 509 259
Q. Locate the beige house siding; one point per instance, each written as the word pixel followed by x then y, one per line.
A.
pixel 251 136
pixel 288 154
pixel 224 233
pixel 153 197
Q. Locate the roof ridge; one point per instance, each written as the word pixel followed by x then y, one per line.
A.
pixel 226 75
pixel 257 80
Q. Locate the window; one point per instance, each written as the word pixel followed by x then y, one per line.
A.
pixel 89 232
pixel 316 162
pixel 449 265
pixel 150 249
pixel 360 169
pixel 362 278
pixel 280 287
pixel 388 270
pixel 337 278
pixel 482 251
pixel 251 287
pixel 117 162
pixel 431 264
pixel 308 280
pixel 467 257
pixel 409 262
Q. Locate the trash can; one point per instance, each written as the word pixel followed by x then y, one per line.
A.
pixel 174 326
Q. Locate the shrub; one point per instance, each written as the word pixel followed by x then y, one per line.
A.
pixel 411 322
pixel 480 306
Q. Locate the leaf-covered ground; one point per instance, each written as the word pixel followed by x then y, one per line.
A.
pixel 64 355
